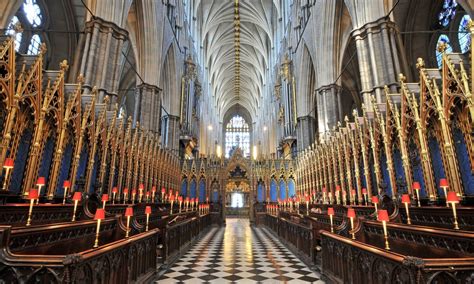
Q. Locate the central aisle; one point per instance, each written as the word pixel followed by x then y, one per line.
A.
pixel 242 254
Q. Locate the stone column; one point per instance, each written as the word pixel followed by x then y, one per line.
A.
pixel 381 57
pixel 101 55
pixel 305 130
pixel 170 132
pixel 150 106
pixel 328 104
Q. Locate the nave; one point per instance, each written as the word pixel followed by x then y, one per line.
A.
pixel 239 253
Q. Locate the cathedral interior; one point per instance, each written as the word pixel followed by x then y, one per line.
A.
pixel 237 141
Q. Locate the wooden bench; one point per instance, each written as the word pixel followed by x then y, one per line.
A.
pixel 64 253
pixel 351 261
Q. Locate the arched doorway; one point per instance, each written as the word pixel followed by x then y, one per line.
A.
pixel 237 187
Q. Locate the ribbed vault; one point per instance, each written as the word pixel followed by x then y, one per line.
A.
pixel 217 34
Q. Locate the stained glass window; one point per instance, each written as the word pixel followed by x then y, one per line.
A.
pixel 439 55
pixel 30 17
pixel 464 36
pixel 237 134
pixel 447 13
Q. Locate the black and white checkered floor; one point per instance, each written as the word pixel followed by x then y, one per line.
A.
pixel 239 253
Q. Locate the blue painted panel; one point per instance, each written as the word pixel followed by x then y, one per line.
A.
pixel 417 168
pixel 464 163
pixel 202 190
pixel 46 161
pixel 215 196
pixel 385 173
pixel 375 187
pixel 260 192
pixel 64 172
pixel 398 164
pixel 94 173
pixel 20 161
pixel 81 170
pixel 361 172
pixel 291 188
pixel 192 189
pixel 282 189
pixel 437 161
pixel 184 187
pixel 273 191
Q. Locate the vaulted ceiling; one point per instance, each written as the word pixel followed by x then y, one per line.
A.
pixel 257 23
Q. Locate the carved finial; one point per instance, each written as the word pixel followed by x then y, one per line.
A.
pixel 106 99
pixel 64 66
pixel 346 119
pixel 420 63
pixel 94 90
pixel 42 49
pixel 402 77
pixel 355 113
pixel 442 46
pixel 17 28
pixel 129 120
pixel 80 79
pixel 386 89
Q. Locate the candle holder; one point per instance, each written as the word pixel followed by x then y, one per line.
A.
pixel 180 200
pixel 153 192
pixel 454 199
pixel 383 217
pixel 99 216
pixel 32 196
pixel 331 214
pixel 406 201
pixel 40 183
pixel 171 209
pixel 8 166
pixel 147 212
pixel 443 183
pixel 416 187
pixel 351 215
pixel 66 185
pixel 324 195
pixel 163 191
pixel 128 214
pixel 338 192
pixel 353 196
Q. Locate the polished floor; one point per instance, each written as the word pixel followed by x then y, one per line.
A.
pixel 239 253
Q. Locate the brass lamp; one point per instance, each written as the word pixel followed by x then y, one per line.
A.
pixel 114 193
pixel 128 214
pixel 76 198
pixel 32 195
pixel 416 187
pixel 383 217
pixel 443 183
pixel 454 199
pixel 406 200
pixel 331 214
pixel 147 212
pixel 40 183
pixel 7 165
pixel 351 214
pixel 99 216
pixel 66 185
pixel 105 198
pixel 375 202
pixel 125 195
pixel 364 194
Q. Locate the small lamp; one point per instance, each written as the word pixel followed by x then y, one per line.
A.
pixel 443 183
pixel 163 191
pixel 383 217
pixel 172 201
pixel 105 198
pixel 114 193
pixel 125 195
pixel 351 214
pixel 353 196
pixel 128 214
pixel 76 198
pixel 141 187
pixel 153 192
pixel 338 193
pixel 454 199
pixel 180 200
pixel 7 165
pixel 406 200
pixel 40 182
pixel 375 202
pixel 307 204
pixel 66 185
pixel 416 187
pixel 134 194
pixel 147 196
pixel 32 195
pixel 147 212
pixel 331 214
pixel 99 216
